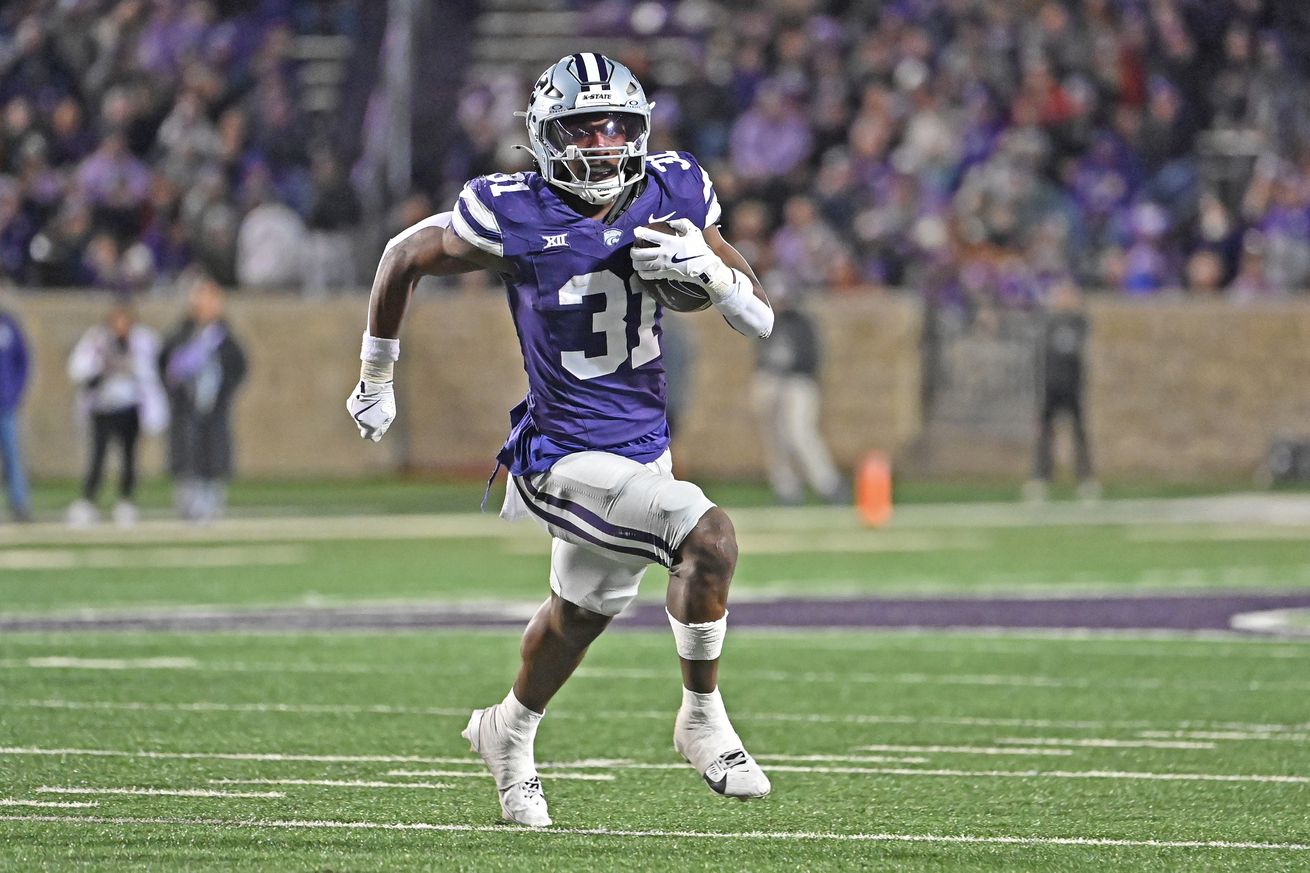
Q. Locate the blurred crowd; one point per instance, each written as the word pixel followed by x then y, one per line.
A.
pixel 981 151
pixel 140 137
pixel 978 151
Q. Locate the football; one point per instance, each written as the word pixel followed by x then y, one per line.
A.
pixel 677 296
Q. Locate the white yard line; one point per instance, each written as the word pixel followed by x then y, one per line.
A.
pixel 1241 736
pixel 968 750
pixel 802 718
pixel 160 792
pixel 68 662
pixel 1129 775
pixel 217 756
pixel 184 557
pixel 537 833
pixel 333 783
pixel 483 773
pixel 1103 743
pixel 105 609
pixel 846 759
pixel 207 706
pixel 51 804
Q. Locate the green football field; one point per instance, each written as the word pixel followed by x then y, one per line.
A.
pixel 1133 742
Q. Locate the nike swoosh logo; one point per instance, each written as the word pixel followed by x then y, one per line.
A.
pixel 678 260
pixel 654 220
pixel 718 786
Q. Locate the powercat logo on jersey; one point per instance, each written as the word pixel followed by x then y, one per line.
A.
pixel 555 241
pixel 612 236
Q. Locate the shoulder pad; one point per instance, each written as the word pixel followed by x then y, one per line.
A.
pixel 489 205
pixel 686 180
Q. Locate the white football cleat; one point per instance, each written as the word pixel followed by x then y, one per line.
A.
pixel 525 803
pixel 705 737
pixel 507 751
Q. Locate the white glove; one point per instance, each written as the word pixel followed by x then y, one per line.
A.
pixel 373 406
pixel 685 257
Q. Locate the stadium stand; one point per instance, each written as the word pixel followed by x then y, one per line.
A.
pixel 976 151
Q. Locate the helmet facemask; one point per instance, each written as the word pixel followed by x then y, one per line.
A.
pixel 595 155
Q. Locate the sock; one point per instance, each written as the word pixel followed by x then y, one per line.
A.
pixel 706 733
pixel 703 704
pixel 518 716
pixel 510 754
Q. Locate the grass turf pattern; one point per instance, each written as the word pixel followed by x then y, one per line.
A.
pixel 892 750
pixel 322 688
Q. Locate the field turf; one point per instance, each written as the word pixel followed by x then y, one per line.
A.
pixel 907 749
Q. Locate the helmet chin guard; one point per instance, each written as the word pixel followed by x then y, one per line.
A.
pixel 588 125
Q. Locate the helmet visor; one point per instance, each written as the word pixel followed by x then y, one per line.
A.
pixel 595 130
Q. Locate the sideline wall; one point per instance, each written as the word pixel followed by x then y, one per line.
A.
pixel 1177 390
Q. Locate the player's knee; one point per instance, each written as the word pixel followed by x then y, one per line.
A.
pixel 575 622
pixel 711 547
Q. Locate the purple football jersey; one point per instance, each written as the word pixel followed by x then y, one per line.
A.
pixel 590 339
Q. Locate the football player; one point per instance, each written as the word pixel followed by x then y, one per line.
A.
pixel 587 452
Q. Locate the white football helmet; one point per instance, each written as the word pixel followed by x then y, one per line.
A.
pixel 588 124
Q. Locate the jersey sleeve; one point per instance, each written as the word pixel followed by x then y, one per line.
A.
pixel 474 220
pixel 713 212
pixel 690 183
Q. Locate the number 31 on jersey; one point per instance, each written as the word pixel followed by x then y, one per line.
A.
pixel 611 321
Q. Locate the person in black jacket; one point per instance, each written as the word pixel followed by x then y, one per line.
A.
pixel 1062 378
pixel 202 364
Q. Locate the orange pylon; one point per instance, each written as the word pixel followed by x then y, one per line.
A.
pixel 873 489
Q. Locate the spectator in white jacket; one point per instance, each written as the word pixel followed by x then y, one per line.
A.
pixel 114 368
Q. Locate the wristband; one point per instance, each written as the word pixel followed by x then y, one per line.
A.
pixel 379 350
pixel 720 281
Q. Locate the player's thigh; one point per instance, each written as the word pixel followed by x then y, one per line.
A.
pixel 615 506
pixel 596 581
